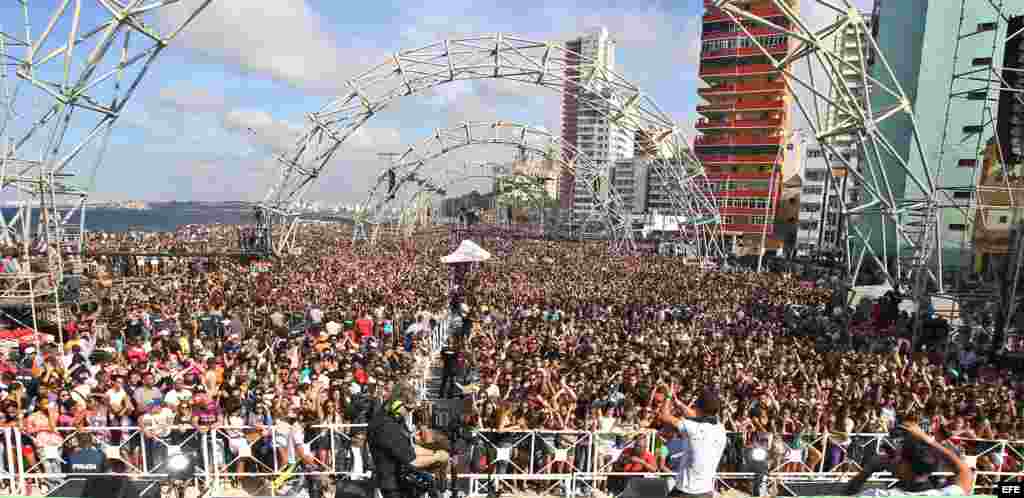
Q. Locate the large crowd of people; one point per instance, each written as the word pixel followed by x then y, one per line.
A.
pixel 563 337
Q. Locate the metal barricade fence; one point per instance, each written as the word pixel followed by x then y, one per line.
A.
pixel 438 336
pixel 130 451
pixel 567 463
pixel 516 465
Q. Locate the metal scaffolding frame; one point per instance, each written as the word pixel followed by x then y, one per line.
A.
pixel 981 81
pixel 409 175
pixel 821 95
pixel 488 56
pixel 67 69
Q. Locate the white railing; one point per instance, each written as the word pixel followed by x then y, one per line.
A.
pixel 439 336
pixel 564 462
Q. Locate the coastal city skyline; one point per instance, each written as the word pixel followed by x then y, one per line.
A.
pixel 233 91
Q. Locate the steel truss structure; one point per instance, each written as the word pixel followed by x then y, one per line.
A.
pixel 984 84
pixel 838 113
pixel 490 56
pixel 409 175
pixel 67 69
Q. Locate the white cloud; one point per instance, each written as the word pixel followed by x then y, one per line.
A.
pixel 185 97
pixel 654 46
pixel 284 39
pixel 260 126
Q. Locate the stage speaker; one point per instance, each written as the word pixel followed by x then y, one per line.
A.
pixel 100 487
pixel 645 488
pixel 110 486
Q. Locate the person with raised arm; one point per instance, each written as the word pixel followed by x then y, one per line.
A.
pixel 707 438
pixel 920 457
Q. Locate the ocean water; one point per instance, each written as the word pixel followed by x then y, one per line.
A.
pixel 160 217
pixel 166 217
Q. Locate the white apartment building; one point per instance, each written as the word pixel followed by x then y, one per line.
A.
pixel 630 178
pixel 823 179
pixel 585 120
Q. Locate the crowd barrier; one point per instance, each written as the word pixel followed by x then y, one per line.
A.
pixel 565 463
pixel 438 337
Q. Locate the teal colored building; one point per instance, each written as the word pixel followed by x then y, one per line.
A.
pixel 918 38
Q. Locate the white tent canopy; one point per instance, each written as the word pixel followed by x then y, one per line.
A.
pixel 468 252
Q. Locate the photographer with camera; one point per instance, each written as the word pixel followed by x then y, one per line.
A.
pixel 397 461
pixel 914 463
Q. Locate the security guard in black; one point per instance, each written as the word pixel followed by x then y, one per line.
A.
pixel 392 449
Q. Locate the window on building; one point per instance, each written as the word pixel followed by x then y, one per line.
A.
pixel 814 190
pixel 961 195
pixel 957 227
pixel 1004 220
pixel 759 219
pixel 813 153
pixel 728 220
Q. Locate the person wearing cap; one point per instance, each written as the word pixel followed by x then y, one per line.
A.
pixel 913 464
pixel 156 427
pixel 392 448
pixel 707 439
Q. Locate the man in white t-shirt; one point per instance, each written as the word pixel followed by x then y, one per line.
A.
pixel 917 460
pixel 707 439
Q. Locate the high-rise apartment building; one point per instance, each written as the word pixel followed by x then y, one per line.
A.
pixel 824 178
pixel 745 143
pixel 630 178
pixel 585 121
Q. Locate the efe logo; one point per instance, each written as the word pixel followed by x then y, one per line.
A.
pixel 1009 489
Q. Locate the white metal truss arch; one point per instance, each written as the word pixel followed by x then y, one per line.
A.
pixel 67 70
pixel 607 215
pixel 489 56
pixel 412 173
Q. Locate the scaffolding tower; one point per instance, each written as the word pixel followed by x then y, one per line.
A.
pixel 992 88
pixel 66 73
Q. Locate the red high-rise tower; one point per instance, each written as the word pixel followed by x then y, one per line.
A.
pixel 745 123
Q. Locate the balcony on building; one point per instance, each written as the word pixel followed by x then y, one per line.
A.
pixel 742 228
pixel 727 53
pixel 733 140
pixel 764 9
pixel 713 159
pixel 747 86
pixel 727 106
pixel 756 65
pixel 732 123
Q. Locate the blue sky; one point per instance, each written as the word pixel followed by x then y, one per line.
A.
pixel 234 88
